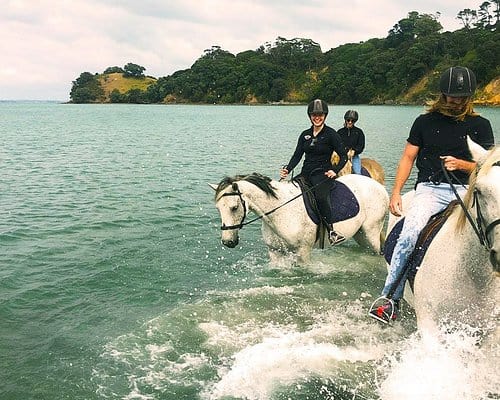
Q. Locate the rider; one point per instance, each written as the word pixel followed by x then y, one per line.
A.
pixel 437 137
pixel 353 138
pixel 318 143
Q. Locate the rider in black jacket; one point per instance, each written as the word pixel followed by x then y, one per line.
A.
pixel 318 143
pixel 353 138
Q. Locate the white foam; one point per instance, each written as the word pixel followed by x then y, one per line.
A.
pixel 282 355
pixel 445 368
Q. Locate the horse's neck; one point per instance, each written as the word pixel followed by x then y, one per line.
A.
pixel 468 247
pixel 260 202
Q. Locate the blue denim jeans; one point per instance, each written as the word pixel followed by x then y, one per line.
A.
pixel 356 164
pixel 429 199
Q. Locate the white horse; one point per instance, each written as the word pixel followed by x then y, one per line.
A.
pixel 286 227
pixel 457 283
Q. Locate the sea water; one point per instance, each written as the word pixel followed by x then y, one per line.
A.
pixel 114 283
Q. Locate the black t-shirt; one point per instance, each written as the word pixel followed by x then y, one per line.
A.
pixel 439 135
pixel 318 151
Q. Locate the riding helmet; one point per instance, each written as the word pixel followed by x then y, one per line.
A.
pixel 351 114
pixel 458 82
pixel 317 107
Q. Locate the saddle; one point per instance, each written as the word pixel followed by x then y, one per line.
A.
pixel 423 242
pixel 344 203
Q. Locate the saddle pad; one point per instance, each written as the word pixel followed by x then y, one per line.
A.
pixel 344 204
pixel 423 242
pixel 365 172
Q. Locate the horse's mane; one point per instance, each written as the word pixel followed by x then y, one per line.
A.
pixel 261 181
pixel 492 158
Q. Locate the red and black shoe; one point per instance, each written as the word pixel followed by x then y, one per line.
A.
pixel 386 312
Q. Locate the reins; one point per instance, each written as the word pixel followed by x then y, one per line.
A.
pixel 477 225
pixel 242 223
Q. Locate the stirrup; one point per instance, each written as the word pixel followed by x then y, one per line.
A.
pixel 335 238
pixel 383 310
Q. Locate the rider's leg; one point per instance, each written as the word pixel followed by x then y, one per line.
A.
pixel 322 195
pixel 356 164
pixel 429 199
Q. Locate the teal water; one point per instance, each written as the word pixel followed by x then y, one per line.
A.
pixel 114 284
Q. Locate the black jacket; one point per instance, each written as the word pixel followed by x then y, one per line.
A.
pixel 353 138
pixel 318 152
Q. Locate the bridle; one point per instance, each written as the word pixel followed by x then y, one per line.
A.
pixel 480 228
pixel 240 195
pixel 225 227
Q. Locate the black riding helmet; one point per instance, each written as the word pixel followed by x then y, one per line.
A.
pixel 351 114
pixel 458 82
pixel 317 106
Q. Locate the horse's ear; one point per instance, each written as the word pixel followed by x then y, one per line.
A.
pixel 214 187
pixel 479 154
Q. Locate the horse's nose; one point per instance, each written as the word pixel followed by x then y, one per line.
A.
pixel 230 243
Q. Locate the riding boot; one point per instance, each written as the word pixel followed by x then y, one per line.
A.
pixel 334 237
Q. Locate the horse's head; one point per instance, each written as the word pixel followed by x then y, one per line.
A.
pixel 232 203
pixel 485 192
pixel 232 209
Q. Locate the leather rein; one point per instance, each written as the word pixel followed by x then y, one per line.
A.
pixel 225 227
pixel 482 231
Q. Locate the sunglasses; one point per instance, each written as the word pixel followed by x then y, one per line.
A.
pixel 350 120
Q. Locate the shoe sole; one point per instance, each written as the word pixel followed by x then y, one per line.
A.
pixel 379 319
pixel 337 242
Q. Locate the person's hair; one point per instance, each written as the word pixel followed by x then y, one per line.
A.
pixel 440 105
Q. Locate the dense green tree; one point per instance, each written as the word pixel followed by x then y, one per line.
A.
pixel 112 70
pixel 86 89
pixel 131 70
pixel 402 66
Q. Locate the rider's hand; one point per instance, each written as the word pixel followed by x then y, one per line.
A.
pixel 396 205
pixel 283 173
pixel 330 174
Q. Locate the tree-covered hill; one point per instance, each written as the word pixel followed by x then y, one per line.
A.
pixel 400 68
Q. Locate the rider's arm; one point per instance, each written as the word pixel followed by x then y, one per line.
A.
pixel 296 157
pixel 360 144
pixel 403 172
pixel 339 148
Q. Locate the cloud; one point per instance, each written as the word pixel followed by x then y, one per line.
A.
pixel 47 44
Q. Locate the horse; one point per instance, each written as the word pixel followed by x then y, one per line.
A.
pixel 457 285
pixel 372 167
pixel 287 228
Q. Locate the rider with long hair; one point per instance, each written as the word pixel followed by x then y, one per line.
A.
pixel 437 139
pixel 318 143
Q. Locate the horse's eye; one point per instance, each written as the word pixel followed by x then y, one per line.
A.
pixel 234 208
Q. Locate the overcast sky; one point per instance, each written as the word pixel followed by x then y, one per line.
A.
pixel 46 44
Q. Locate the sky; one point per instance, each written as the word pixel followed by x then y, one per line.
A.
pixel 46 44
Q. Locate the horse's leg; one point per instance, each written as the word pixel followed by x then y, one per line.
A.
pixel 370 234
pixel 369 238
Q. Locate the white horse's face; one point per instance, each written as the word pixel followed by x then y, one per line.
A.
pixel 232 210
pixel 488 197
